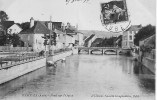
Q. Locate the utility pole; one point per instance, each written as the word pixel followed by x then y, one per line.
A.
pixel 50 35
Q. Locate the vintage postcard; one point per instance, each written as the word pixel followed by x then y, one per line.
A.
pixel 77 49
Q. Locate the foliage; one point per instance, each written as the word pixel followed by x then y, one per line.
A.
pixel 25 25
pixel 3 16
pixel 143 33
pixel 15 40
pixel 10 39
pixel 108 42
pixel 147 48
pixel 53 39
pixel 3 39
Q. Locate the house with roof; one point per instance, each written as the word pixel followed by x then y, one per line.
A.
pixel 56 27
pixel 62 39
pixel 128 36
pixel 77 35
pixel 147 52
pixel 4 25
pixel 14 29
pixel 32 37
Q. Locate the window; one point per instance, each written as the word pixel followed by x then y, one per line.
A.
pixel 130 37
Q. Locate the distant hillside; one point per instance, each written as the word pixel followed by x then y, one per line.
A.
pixel 99 34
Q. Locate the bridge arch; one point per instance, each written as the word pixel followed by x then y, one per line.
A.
pixel 103 50
pixel 110 50
pixel 83 50
pixel 92 50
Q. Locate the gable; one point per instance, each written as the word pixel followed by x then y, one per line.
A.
pixel 15 26
pixel 38 28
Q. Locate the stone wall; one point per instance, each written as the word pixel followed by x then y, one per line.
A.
pixel 149 63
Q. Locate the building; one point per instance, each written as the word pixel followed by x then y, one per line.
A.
pixel 32 37
pixel 14 29
pixel 128 36
pixel 77 35
pixel 63 40
pixel 4 25
pixel 147 54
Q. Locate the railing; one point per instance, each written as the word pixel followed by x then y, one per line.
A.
pixel 18 59
pixel 14 49
pixel 97 47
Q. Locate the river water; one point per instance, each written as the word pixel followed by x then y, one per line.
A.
pixel 84 77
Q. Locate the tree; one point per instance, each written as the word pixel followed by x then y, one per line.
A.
pixel 3 39
pixel 8 39
pixel 143 33
pixel 15 40
pixel 3 16
pixel 25 25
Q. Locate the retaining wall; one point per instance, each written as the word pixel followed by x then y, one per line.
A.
pixel 18 69
pixel 149 63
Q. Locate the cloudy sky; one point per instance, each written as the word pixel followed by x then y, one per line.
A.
pixel 86 15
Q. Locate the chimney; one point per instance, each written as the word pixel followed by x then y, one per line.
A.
pixel 31 22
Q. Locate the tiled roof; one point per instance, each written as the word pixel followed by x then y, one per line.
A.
pixel 71 29
pixel 134 28
pixel 89 38
pixel 7 24
pixel 38 28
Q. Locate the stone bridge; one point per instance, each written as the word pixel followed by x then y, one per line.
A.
pixel 103 50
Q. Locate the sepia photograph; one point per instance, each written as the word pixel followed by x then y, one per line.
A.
pixel 77 49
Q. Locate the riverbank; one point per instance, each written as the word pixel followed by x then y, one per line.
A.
pixel 15 69
pixel 84 77
pixel 145 61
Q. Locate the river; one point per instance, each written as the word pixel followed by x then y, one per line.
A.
pixel 84 77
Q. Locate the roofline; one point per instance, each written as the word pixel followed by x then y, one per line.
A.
pixel 146 37
pixel 17 25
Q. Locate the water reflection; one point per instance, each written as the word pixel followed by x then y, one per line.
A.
pixel 83 76
pixel 145 76
pixel 18 84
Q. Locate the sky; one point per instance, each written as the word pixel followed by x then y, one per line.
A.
pixel 85 15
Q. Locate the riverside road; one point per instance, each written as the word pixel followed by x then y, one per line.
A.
pixel 84 77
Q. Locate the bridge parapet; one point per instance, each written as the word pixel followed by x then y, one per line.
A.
pixel 103 49
pixel 97 47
